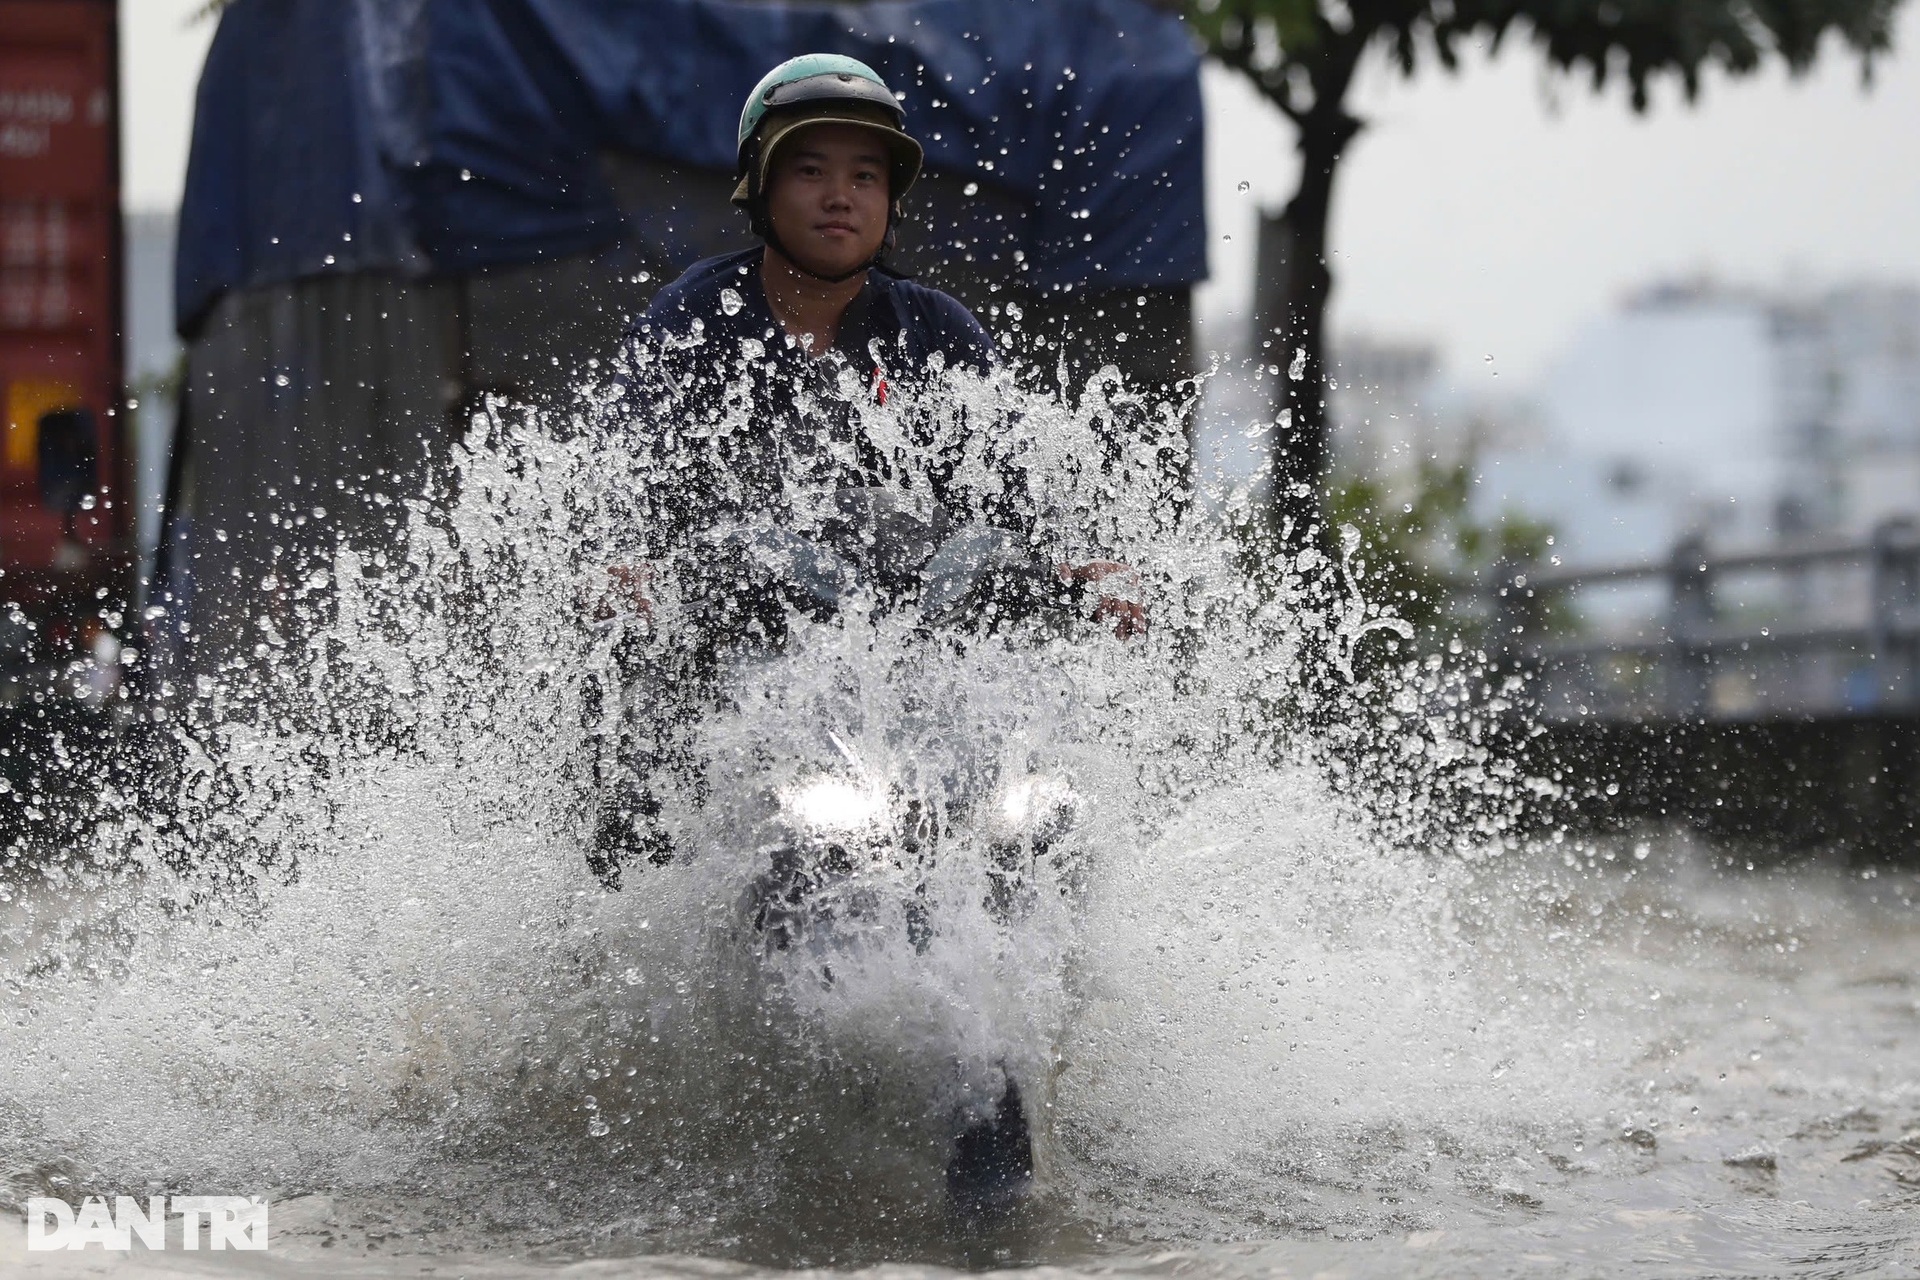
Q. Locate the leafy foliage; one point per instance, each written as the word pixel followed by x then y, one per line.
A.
pixel 1302 56
pixel 1274 41
pixel 1427 560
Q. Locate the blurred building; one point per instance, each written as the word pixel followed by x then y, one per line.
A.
pixel 1380 407
pixel 389 222
pixel 1390 408
pixel 1847 369
pixel 1737 414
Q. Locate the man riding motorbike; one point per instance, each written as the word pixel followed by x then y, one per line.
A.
pixel 805 330
pixel 824 160
pixel 790 326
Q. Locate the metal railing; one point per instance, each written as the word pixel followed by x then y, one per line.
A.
pixel 1700 659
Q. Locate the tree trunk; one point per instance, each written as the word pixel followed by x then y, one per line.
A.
pixel 1300 464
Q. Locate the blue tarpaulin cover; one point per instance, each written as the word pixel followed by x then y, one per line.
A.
pixel 456 135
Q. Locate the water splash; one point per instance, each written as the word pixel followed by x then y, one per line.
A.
pixel 356 945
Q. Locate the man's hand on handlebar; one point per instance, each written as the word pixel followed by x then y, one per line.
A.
pixel 625 593
pixel 1128 616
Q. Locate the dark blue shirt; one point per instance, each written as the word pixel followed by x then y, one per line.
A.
pixel 735 411
pixel 910 321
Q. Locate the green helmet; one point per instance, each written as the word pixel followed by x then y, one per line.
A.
pixel 819 88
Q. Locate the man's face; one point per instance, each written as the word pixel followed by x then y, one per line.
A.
pixel 827 197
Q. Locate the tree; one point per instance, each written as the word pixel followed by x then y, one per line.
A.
pixel 1302 56
pixel 1426 558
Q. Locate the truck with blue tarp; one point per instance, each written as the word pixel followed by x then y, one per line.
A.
pixel 396 211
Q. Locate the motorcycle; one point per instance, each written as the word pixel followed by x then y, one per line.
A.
pixel 847 847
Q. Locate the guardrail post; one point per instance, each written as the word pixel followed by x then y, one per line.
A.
pixel 1895 586
pixel 1689 614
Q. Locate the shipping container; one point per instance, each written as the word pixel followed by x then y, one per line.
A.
pixel 66 515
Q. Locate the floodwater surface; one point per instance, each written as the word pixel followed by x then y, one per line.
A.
pixel 1295 992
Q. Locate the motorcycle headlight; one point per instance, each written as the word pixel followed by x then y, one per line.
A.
pixel 1039 808
pixel 834 806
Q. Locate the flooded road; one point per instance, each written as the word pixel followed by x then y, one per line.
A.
pixel 1286 992
pixel 1721 1076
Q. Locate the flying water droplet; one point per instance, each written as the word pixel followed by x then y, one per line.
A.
pixel 730 302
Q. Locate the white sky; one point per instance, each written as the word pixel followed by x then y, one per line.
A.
pixel 160 57
pixel 1474 212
